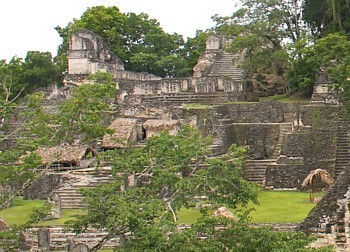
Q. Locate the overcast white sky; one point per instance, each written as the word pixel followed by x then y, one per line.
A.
pixel 28 25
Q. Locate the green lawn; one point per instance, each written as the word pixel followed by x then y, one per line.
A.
pixel 67 214
pixel 275 206
pixel 282 206
pixel 19 213
pixel 287 98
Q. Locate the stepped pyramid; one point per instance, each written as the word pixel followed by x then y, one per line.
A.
pixel 69 190
pixel 226 65
pixel 343 144
pixel 216 62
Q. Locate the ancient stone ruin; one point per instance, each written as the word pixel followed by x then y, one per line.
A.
pixel 215 73
pixel 286 140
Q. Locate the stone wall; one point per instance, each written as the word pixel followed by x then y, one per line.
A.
pixel 310 146
pixel 42 187
pixel 261 139
pixel 260 112
pixel 329 219
pixel 88 54
pixel 310 143
pixel 323 93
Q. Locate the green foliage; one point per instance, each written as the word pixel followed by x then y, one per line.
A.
pixel 11 84
pixel 138 41
pixel 301 75
pixel 208 234
pixel 39 71
pixel 80 117
pixel 12 237
pixel 153 183
pixel 194 47
pixel 327 56
pixel 263 31
pixel 327 16
pixel 20 77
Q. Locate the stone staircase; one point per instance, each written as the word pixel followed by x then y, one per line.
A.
pixel 185 98
pixel 343 144
pixel 225 66
pixel 255 170
pixel 69 193
pixel 58 238
pixel 216 149
pixel 285 128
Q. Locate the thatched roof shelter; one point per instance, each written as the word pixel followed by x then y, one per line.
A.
pixel 321 174
pixel 153 126
pixel 158 124
pixel 69 154
pixel 311 179
pixel 125 131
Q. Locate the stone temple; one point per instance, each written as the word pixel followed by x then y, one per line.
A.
pixel 286 140
pixel 213 74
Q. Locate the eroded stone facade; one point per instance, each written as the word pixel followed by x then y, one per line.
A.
pixel 323 93
pixel 216 71
pixel 286 141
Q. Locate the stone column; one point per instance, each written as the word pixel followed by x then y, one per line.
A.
pixel 80 247
pixel 70 244
pixel 44 238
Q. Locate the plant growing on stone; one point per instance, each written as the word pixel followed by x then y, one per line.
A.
pixel 80 115
pixel 138 41
pixel 326 54
pixel 154 182
pixel 11 238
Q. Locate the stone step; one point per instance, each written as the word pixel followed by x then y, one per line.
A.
pixel 252 176
pixel 342 161
pixel 255 170
pixel 342 156
pixel 175 98
pixel 58 238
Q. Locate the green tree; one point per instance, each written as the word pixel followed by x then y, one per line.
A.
pixel 22 77
pixel 11 79
pixel 39 71
pixel 265 32
pixel 326 53
pixel 301 74
pixel 79 118
pixel 153 183
pixel 329 53
pixel 137 40
pixel 194 47
pixel 327 16
pixel 260 29
pixel 167 173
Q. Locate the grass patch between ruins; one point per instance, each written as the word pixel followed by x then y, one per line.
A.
pixel 286 98
pixel 275 206
pixel 282 207
pixel 19 213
